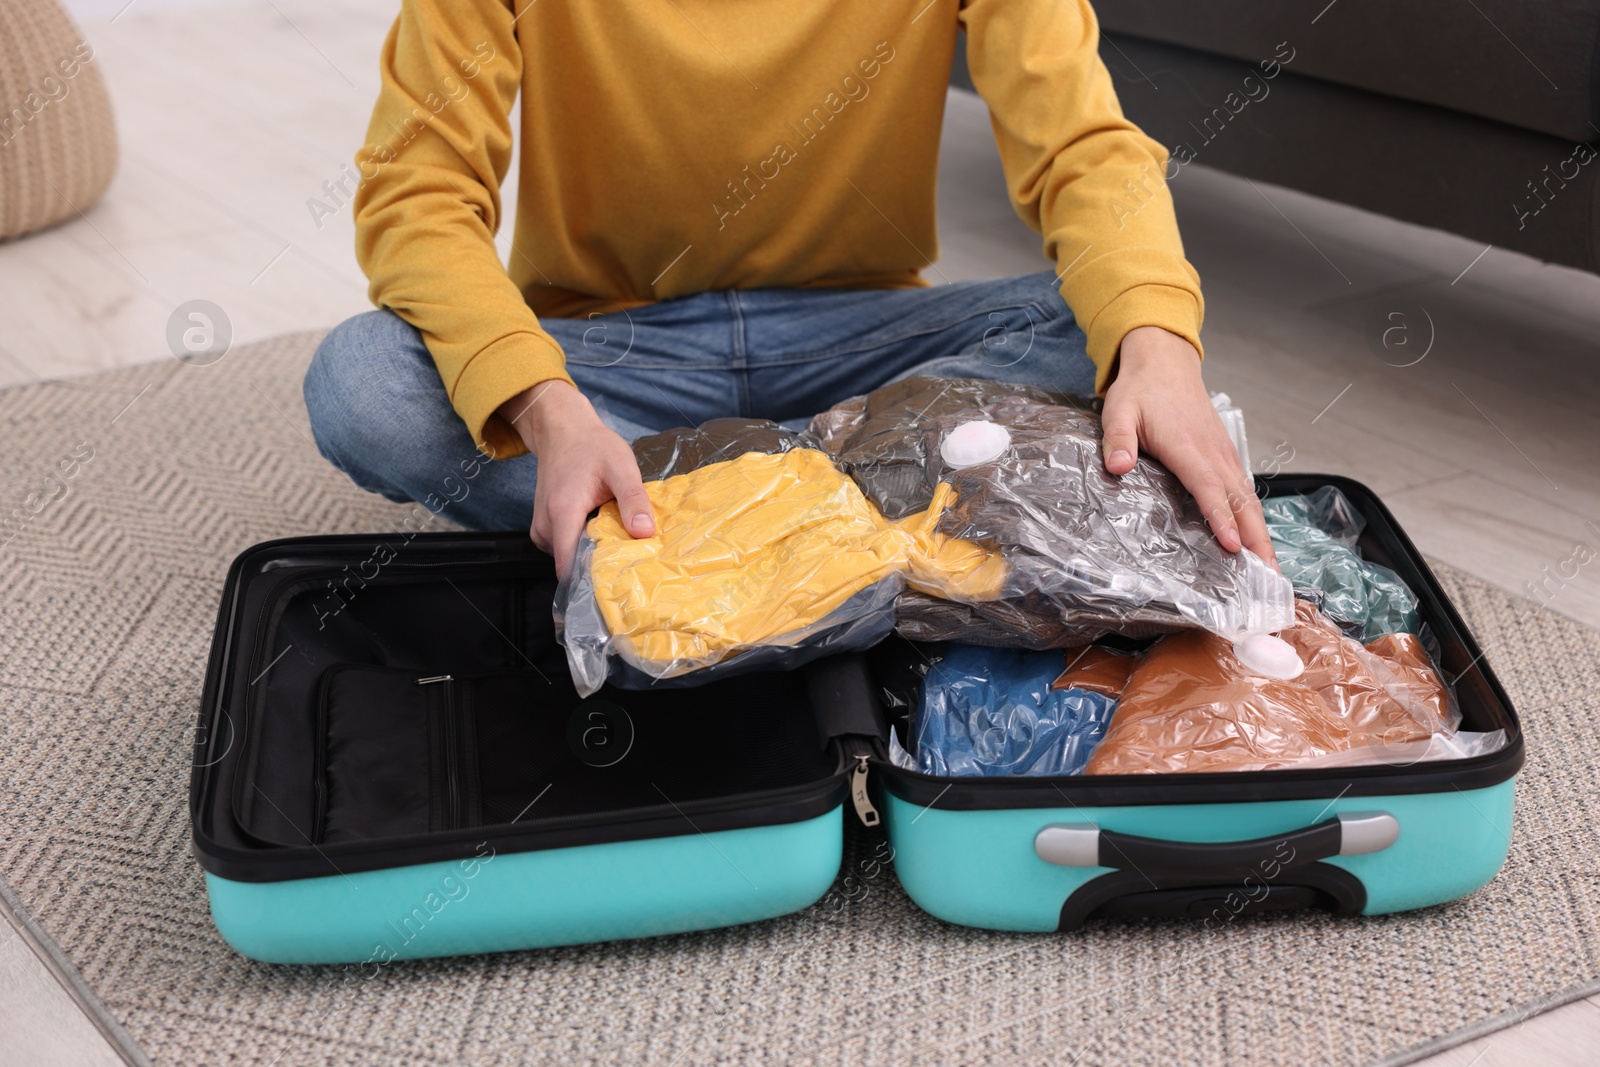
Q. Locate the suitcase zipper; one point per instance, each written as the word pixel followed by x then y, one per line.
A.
pixel 452 784
pixel 858 792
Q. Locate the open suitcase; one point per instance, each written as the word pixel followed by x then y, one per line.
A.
pixel 392 763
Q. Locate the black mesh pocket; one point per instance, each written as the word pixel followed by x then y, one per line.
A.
pixel 374 775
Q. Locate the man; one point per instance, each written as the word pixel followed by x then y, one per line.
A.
pixel 725 207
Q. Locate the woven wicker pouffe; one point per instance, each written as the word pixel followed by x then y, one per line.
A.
pixel 58 144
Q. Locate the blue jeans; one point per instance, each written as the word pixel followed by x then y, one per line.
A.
pixel 380 413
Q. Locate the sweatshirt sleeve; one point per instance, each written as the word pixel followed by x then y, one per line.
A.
pixel 428 205
pixel 1080 173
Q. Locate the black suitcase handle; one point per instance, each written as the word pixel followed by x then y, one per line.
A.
pixel 1205 879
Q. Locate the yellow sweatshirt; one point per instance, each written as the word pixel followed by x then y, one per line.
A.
pixel 671 147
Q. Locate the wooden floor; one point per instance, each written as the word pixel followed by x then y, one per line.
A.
pixel 1482 435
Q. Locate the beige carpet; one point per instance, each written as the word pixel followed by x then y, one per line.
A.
pixel 107 598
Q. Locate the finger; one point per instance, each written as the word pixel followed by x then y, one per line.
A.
pixel 566 524
pixel 1199 476
pixel 633 503
pixel 1253 528
pixel 1213 501
pixel 1120 437
pixel 1246 505
pixel 539 525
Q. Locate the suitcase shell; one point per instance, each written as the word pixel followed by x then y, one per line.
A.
pixel 361 788
pixel 1209 847
pixel 390 764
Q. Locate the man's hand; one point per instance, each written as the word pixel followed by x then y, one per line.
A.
pixel 582 464
pixel 1159 403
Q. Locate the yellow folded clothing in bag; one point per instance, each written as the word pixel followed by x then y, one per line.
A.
pixel 944 566
pixel 764 550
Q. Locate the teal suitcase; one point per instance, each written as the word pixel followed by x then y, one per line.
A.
pixel 391 763
pixel 1054 853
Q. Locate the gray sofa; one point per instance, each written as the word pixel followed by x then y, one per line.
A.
pixel 1481 117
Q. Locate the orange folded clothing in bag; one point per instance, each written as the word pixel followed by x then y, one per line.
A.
pixel 1097 670
pixel 1191 704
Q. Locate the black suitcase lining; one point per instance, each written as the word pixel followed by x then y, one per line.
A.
pixel 356 749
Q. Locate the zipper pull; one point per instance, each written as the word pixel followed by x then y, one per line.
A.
pixel 436 678
pixel 858 793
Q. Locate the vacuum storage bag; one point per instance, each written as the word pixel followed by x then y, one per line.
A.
pixel 1087 553
pixel 1198 702
pixel 1233 421
pixel 992 712
pixel 1191 702
pixel 673 452
pixel 762 562
pixel 773 558
pixel 1315 537
pixel 957 509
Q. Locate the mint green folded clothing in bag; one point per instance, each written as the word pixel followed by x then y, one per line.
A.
pixel 1315 538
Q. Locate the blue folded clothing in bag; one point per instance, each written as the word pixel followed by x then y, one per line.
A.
pixel 1315 539
pixel 990 711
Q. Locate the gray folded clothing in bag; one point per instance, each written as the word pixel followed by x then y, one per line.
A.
pixel 1089 553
